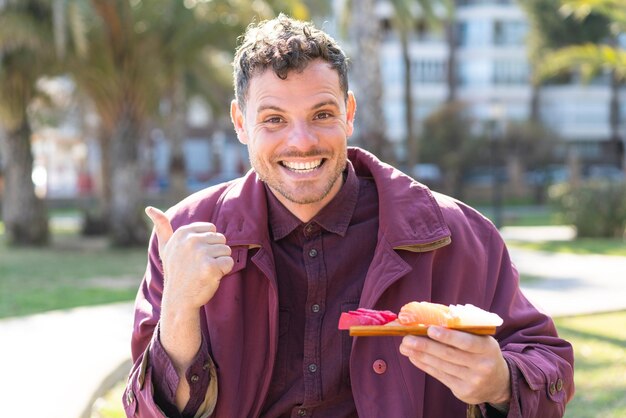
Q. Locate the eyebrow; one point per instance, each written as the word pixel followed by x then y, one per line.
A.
pixel 319 105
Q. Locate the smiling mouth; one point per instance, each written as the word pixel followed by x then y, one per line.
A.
pixel 303 167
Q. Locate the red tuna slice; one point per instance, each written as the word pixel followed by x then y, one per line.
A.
pixel 387 316
pixel 365 317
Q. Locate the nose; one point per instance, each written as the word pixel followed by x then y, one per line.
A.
pixel 301 135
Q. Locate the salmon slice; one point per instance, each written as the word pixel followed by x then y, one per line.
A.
pixel 426 313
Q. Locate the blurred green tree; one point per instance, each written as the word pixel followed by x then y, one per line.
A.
pixel 549 31
pixel 451 146
pixel 143 62
pixel 114 65
pixel 594 56
pixel 196 42
pixel 27 52
pixel 434 15
pixel 363 28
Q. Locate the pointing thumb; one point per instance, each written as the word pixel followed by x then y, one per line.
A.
pixel 162 227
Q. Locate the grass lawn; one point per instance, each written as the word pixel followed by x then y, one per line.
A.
pixel 72 272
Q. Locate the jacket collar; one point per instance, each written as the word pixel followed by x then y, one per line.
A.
pixel 410 218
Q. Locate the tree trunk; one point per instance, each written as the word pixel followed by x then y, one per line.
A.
pixel 411 137
pixel 451 77
pixel 535 103
pixel 370 119
pixel 24 214
pixel 176 135
pixel 126 221
pixel 614 121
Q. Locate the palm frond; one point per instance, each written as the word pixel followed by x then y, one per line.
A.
pixel 589 59
pixel 20 30
pixel 615 10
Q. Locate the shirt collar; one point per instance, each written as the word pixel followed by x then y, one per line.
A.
pixel 334 217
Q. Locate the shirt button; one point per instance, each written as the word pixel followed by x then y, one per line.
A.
pixel 309 228
pixel 379 366
pixel 552 388
pixel 312 367
pixel 315 308
pixel 301 412
pixel 559 384
pixel 194 378
pixel 313 253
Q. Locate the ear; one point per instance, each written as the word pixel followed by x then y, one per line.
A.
pixel 350 113
pixel 237 117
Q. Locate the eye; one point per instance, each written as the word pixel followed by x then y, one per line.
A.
pixel 323 115
pixel 273 119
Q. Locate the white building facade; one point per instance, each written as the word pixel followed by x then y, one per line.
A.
pixel 492 68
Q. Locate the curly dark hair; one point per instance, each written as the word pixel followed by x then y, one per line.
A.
pixel 285 45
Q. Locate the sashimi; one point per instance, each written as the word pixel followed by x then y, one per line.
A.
pixel 364 316
pixel 426 313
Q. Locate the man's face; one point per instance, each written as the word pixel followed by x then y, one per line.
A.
pixel 296 131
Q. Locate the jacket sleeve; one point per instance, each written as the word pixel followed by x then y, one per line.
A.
pixel 540 363
pixel 152 383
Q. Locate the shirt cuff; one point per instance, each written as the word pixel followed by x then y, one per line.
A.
pixel 165 379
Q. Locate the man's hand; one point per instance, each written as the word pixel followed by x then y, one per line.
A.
pixel 195 258
pixel 471 366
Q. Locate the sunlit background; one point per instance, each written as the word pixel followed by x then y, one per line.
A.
pixel 516 107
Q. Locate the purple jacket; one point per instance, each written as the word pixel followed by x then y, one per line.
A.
pixel 430 248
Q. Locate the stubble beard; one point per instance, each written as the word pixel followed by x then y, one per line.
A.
pixel 275 183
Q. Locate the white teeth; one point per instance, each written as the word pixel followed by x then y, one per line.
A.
pixel 302 166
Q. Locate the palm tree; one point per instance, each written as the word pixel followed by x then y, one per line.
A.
pixel 550 30
pixel 26 53
pixel 591 58
pixel 449 24
pixel 144 61
pixel 364 30
pixel 195 45
pixel 119 74
pixel 404 18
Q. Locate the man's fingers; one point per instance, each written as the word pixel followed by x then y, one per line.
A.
pixel 162 227
pixel 225 263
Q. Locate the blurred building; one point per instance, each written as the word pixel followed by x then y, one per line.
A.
pixel 492 75
pixel 67 155
pixel 492 69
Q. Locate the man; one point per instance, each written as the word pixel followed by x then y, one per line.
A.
pixel 237 314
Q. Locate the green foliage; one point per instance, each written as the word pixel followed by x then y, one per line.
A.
pixel 27 52
pixel 596 209
pixel 448 142
pixel 591 56
pixel 534 144
pixel 550 29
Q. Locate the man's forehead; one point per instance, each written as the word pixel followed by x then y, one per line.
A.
pixel 319 84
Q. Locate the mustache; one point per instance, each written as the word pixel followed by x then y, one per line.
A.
pixel 314 152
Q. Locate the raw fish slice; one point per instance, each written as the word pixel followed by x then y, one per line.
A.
pixel 365 317
pixel 426 313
